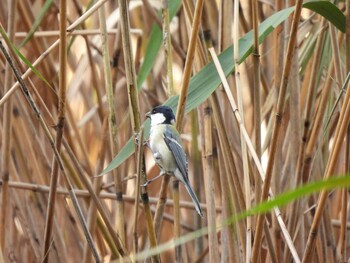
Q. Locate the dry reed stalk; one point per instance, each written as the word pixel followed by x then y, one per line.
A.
pixel 59 130
pixel 49 136
pixel 344 201
pixel 92 216
pixel 44 54
pixel 177 229
pixel 181 110
pixel 6 134
pixel 113 134
pixel 244 155
pixel 134 109
pixel 256 96
pixel 276 127
pixel 103 195
pixel 77 32
pixel 197 182
pixel 139 175
pixel 207 152
pixel 234 183
pixel 316 128
pixel 116 246
pixel 157 20
pixel 298 205
pixel 332 160
pixel 188 64
pixel 252 152
pixel 208 172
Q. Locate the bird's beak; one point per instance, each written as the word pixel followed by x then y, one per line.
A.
pixel 148 114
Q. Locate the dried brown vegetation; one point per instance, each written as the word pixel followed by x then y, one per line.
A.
pixel 61 127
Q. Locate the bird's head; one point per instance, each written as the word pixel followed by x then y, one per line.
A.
pixel 161 115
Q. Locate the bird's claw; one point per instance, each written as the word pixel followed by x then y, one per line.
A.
pixel 145 184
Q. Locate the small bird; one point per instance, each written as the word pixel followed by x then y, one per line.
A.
pixel 165 144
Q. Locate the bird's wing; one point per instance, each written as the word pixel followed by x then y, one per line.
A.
pixel 172 140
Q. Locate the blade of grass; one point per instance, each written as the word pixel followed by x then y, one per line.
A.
pixel 266 206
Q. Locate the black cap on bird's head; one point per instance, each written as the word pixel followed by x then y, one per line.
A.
pixel 161 115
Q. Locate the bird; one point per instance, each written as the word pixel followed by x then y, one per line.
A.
pixel 166 146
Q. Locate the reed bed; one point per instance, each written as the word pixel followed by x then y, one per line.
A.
pixel 260 92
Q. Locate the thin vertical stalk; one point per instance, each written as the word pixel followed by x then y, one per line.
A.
pixel 167 47
pixel 298 206
pixel 276 128
pixel 170 90
pixel 256 96
pixel 340 132
pixel 45 128
pixel 6 134
pixel 134 109
pixel 243 144
pixel 181 105
pixel 188 64
pixel 197 182
pixel 208 170
pixel 60 125
pixel 70 29
pixel 113 135
pixel 92 211
pixel 208 161
pixel 347 149
pixel 137 192
pixel 252 151
pixel 177 225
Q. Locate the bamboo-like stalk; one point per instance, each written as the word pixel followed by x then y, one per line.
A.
pixel 170 89
pixel 208 169
pixel 252 152
pixel 344 200
pixel 60 125
pixel 243 144
pixel 332 160
pixel 278 55
pixel 298 205
pixel 181 104
pixel 134 108
pixel 197 182
pixel 208 156
pixel 103 221
pixel 157 20
pixel 92 211
pixel 6 134
pixel 113 135
pixel 42 123
pixel 180 113
pixel 102 195
pixel 70 29
pixel 256 96
pixel 235 187
pixel 276 128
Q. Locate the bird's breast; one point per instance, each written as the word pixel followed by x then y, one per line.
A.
pixel 161 153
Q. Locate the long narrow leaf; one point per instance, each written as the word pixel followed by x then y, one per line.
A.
pixel 154 44
pixel 23 58
pixel 204 83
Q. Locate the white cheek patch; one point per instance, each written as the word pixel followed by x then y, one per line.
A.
pixel 157 118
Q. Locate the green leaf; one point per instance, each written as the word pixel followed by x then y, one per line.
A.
pixel 278 201
pixel 37 22
pixel 328 11
pixel 154 44
pixel 23 58
pixel 204 83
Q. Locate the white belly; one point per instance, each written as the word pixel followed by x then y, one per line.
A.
pixel 161 153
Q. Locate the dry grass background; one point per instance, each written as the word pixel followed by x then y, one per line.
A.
pixel 287 121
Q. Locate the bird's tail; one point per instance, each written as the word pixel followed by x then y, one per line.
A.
pixel 194 199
